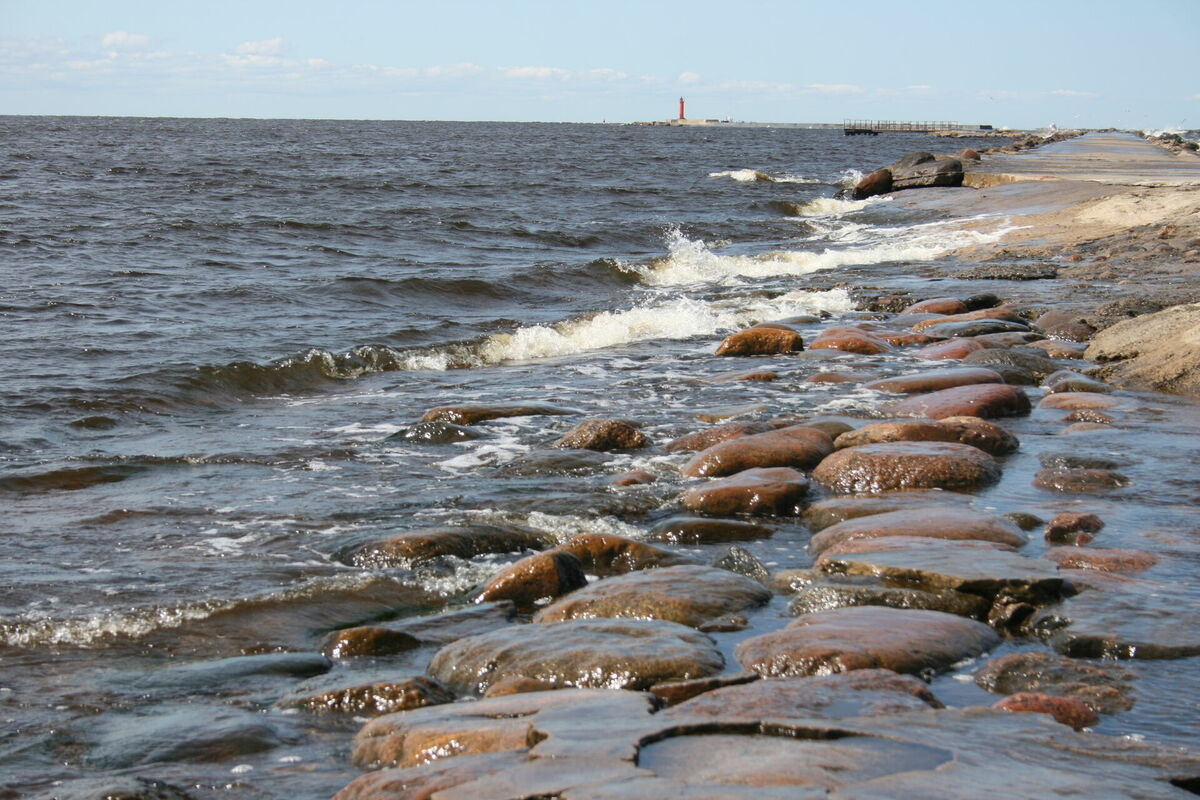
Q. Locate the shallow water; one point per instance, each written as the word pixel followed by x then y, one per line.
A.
pixel 214 325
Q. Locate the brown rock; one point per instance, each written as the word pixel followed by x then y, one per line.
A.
pixel 906 465
pixel 704 530
pixel 470 415
pixel 415 547
pixel 938 305
pixel 935 380
pixel 951 350
pixel 967 154
pixel 383 697
pixel 980 433
pixel 1067 710
pixel 673 693
pixel 1072 528
pixel 603 435
pixel 760 342
pixel 1057 348
pixel 823 513
pixel 535 579
pixel 1068 325
pixel 964 430
pixel 1066 380
pixel 989 401
pixel 877 182
pixel 1089 415
pixel 1103 686
pixel 795 446
pixel 935 522
pixel 1072 401
pixel 700 440
pixel 585 653
pixel 906 641
pixel 1065 479
pixel 830 592
pixel 1103 559
pixel 780 491
pixel 609 554
pixel 635 477
pixel 849 340
pixel 517 684
pixel 836 377
pixel 1005 314
pixel 689 595
pixel 747 376
pixel 422 782
pixel 367 640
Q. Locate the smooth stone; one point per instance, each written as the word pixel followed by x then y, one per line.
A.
pixel 689 595
pixel 906 465
pixel 1074 401
pixel 1103 559
pixel 823 513
pixel 760 342
pixel 955 349
pixel 1066 380
pixel 849 340
pixel 1079 481
pixel 976 327
pixel 945 523
pixel 422 782
pixel 994 358
pixel 935 380
pixel 1072 528
pixel 201 675
pixel 603 435
pixel 1079 461
pixel 938 305
pixel 127 787
pixel 1009 339
pixel 609 554
pixel 795 446
pixel 974 431
pixel 368 640
pixel 826 594
pixel 861 693
pixel 1066 710
pixel 517 685
pixel 741 561
pixel 704 530
pixel 635 477
pixel 775 491
pixel 1104 686
pixel 555 462
pixel 866 637
pixel 448 626
pixel 426 544
pixel 535 579
pixel 381 697
pixel 762 375
pixel 435 433
pixel 1090 416
pixel 583 653
pixel 1057 348
pixel 700 440
pixel 1004 314
pixel 474 414
pixel 989 401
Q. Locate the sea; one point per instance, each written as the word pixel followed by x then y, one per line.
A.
pixel 218 335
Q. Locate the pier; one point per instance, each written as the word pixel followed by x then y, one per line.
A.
pixel 874 127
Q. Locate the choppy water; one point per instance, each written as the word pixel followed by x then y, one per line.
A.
pixel 211 327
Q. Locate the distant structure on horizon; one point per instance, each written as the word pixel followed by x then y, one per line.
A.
pixel 681 117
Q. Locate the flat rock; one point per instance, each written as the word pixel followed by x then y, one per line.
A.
pixel 774 491
pixel 1004 314
pixel 846 639
pixel 1103 685
pixel 945 523
pixel 935 380
pixel 422 782
pixel 1079 481
pixel 603 435
pixel 761 341
pixel 673 693
pixel 418 546
pixel 435 433
pixel 534 579
pixel 974 327
pixel 689 595
pixel 700 440
pixel 983 400
pixel 1101 558
pixel 823 513
pixel 1074 401
pixel 826 594
pixel 584 653
pixel 380 697
pixel 974 431
pixel 850 340
pixel 1066 710
pixel 1057 348
pixel 705 530
pixel 953 350
pixel 795 446
pixel 1159 352
pixel 906 465
pixel 1035 362
pixel 474 414
pixel 938 305
pixel 609 554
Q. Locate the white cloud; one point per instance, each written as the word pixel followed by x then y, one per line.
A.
pixel 1072 93
pixel 317 63
pixel 688 77
pixel 921 87
pixel 266 47
pixel 604 74
pixel 541 73
pixel 462 70
pixel 123 40
pixel 835 88
pixel 754 86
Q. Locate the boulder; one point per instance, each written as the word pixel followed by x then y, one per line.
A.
pixel 1004 314
pixel 849 340
pixel 987 400
pixel 426 544
pixel 964 430
pixel 877 182
pixel 866 637
pixel 689 595
pixel 1063 324
pixel 909 160
pixel 368 640
pixel 535 579
pixel 704 530
pixel 778 490
pixel 939 172
pixel 1066 380
pixel 935 380
pixel 943 306
pixel 995 357
pixel 1157 352
pixel 1072 528
pixel 609 554
pixel 1076 401
pixel 760 342
pixel 906 465
pixel 826 594
pixel 974 327
pixel 796 446
pixel 584 653
pixel 936 522
pixel 703 439
pixel 473 414
pixel 604 435
pixel 980 433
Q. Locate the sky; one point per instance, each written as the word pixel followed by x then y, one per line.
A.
pixel 1022 65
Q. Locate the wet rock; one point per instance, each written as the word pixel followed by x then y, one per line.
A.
pixel 517 685
pixel 877 182
pixel 368 640
pixel 955 349
pixel 964 430
pixel 761 342
pixel 474 414
pixel 636 477
pixel 1089 415
pixel 967 154
pixel 1005 314
pixel 939 172
pixel 609 554
pixel 836 377
pixel 741 561
pixel 989 401
pixel 1056 348
pixel 906 465
pixel 419 546
pixel 557 462
pixel 1063 324
pixel 1077 481
pixel 1102 686
pixel 207 675
pixel 1010 339
pixel 762 375
pixel 704 530
pixel 449 626
pixel 1078 461
pixel 689 595
pixel 1074 401
pixel 603 435
pixel 849 340
pixel 996 358
pixel 584 653
pixel 535 579
pixel 1103 559
pixel 382 697
pixel 861 693
pixel 1073 528
pixel 1024 520
pixel 795 446
pixel 977 327
pixel 846 639
pixel 935 522
pixel 1009 272
pixel 1066 710
pixel 112 788
pixel 832 426
pixel 673 693
pixel 422 782
pixel 778 491
pixel 980 568
pixel 708 437
pixel 1066 380
pixel 1158 352
pixel 828 593
pixel 435 433
pixel 935 380
pixel 823 513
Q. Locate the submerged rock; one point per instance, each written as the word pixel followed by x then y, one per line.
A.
pixel 474 414
pixel 381 697
pixel 1077 481
pixel 705 530
pixel 988 400
pixel 1103 685
pixel 823 513
pixel 609 554
pixel 437 432
pixel 906 465
pixel 935 380
pixel 826 594
pixel 708 437
pixel 964 430
pixel 945 523
pixel 1067 710
pixel 603 435
pixel 414 547
pixel 849 340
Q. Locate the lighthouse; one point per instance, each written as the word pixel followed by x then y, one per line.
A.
pixel 681 108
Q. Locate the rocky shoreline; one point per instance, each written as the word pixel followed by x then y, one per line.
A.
pixel 1012 514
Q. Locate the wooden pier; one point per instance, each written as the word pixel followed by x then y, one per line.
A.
pixel 874 127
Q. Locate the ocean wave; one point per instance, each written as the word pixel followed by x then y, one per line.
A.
pixel 832 206
pixel 755 175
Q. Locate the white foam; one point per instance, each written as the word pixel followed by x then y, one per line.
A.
pixel 832 206
pixel 752 175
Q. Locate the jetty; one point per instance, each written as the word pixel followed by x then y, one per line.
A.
pixel 874 127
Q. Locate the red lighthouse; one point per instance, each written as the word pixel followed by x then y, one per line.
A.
pixel 681 108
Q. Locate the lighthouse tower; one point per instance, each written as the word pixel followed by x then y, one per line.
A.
pixel 681 109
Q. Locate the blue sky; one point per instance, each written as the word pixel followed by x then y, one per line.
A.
pixel 1090 64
